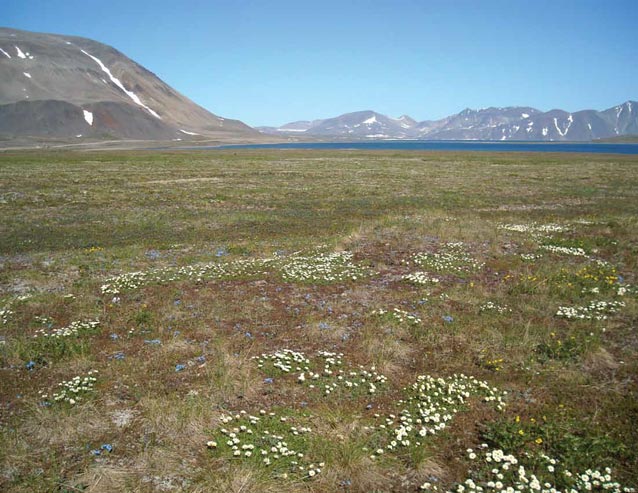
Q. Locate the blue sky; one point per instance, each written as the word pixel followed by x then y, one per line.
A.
pixel 271 62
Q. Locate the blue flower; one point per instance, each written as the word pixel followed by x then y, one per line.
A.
pixel 323 326
pixel 114 337
pixel 154 342
pixel 30 365
pixel 108 447
pixel 180 367
pixel 119 355
pixel 448 318
pixel 268 380
pixel 201 359
pixel 96 452
pixel 249 335
pixel 153 254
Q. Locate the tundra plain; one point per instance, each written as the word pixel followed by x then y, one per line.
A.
pixel 309 321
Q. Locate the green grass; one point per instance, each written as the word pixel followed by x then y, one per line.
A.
pixel 232 251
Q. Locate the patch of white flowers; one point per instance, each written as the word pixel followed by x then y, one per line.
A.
pixel 270 440
pixel 534 228
pixel 325 372
pixel 431 404
pixel 420 278
pixel 490 306
pixel 398 315
pixel 72 330
pixel 285 360
pixel 596 310
pixel 5 316
pixel 623 290
pixel 530 257
pixel 452 259
pixel 72 391
pixel 505 473
pixel 561 250
pixel 322 268
pixel 201 272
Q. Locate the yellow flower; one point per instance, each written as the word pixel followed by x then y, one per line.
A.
pixel 521 432
pixel 518 419
pixel 539 440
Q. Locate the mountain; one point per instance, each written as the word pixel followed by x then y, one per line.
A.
pixel 469 124
pixel 510 123
pixel 361 124
pixel 56 86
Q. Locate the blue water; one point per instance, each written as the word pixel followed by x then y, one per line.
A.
pixel 429 145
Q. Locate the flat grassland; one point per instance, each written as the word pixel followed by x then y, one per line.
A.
pixel 306 321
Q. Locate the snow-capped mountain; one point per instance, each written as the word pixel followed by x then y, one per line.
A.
pixel 361 124
pixel 70 87
pixel 510 123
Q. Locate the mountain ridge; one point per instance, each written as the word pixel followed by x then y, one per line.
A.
pixel 493 123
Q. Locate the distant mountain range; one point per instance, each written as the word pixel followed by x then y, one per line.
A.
pixel 511 123
pixel 65 87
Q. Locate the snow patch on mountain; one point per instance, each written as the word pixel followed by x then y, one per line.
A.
pixel 5 53
pixel 20 53
pixel 187 132
pixel 119 84
pixel 562 133
pixel 27 75
pixel 88 116
pixel 370 121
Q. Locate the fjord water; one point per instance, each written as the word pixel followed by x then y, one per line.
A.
pixel 425 145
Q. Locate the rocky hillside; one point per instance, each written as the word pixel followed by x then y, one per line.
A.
pixel 69 87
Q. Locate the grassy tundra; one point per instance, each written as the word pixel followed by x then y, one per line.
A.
pixel 318 321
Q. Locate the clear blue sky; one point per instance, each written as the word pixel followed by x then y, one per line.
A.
pixel 271 62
